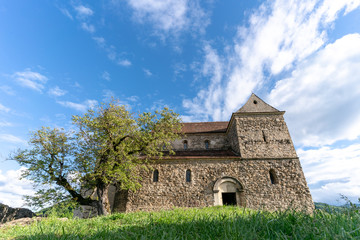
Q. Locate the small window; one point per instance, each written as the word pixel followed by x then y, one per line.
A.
pixel 207 144
pixel 188 175
pixel 156 176
pixel 264 136
pixel 273 178
pixel 185 145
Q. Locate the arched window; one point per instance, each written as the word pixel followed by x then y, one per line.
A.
pixel 273 177
pixel 207 144
pixel 185 144
pixel 156 176
pixel 188 175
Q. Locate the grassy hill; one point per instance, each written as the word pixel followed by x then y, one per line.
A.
pixel 207 223
pixel 324 206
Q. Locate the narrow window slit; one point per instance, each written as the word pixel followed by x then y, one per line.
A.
pixel 156 175
pixel 273 178
pixel 207 144
pixel 188 175
pixel 264 136
pixel 185 143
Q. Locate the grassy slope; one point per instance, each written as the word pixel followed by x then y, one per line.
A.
pixel 207 223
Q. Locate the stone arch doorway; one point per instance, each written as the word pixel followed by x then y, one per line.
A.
pixel 229 191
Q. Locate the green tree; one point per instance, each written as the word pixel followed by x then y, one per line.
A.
pixel 108 145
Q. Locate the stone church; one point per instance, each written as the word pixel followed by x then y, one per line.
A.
pixel 248 161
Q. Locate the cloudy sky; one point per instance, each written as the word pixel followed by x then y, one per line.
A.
pixel 201 58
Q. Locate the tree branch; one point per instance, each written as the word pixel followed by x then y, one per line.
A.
pixel 62 181
pixel 119 141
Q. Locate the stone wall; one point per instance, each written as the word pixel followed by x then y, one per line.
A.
pixel 217 141
pixel 290 191
pixel 233 138
pixel 264 136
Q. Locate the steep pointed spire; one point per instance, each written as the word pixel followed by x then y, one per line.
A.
pixel 256 104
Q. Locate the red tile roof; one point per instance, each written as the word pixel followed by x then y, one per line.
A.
pixel 205 127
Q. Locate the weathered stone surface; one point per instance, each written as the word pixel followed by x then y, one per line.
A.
pixel 217 141
pixel 173 191
pixel 84 211
pixel 264 136
pixel 8 213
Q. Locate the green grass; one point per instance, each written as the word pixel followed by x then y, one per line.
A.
pixel 207 223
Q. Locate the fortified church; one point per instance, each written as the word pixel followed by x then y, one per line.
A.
pixel 249 161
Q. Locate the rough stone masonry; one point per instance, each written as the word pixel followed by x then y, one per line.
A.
pixel 248 161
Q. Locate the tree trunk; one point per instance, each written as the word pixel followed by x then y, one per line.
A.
pixel 103 203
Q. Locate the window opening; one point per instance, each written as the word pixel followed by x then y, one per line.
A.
pixel 156 176
pixel 185 145
pixel 264 136
pixel 273 178
pixel 188 175
pixel 207 144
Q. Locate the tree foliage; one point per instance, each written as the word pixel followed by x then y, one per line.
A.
pixel 107 145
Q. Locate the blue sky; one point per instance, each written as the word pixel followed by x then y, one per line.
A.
pixel 201 58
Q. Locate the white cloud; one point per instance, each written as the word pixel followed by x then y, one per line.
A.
pixel 106 76
pixel 129 102
pixel 112 53
pixel 83 11
pixel 158 105
pixel 280 35
pixel 322 96
pixel 66 13
pixel 77 85
pixel 88 27
pixel 30 79
pixel 179 69
pixel 108 95
pixel 5 124
pixel 8 90
pixel 12 188
pixel 57 92
pixel 213 68
pixel 332 171
pixel 3 108
pixel 11 138
pixel 100 41
pixel 81 107
pixel 170 16
pixel 124 62
pixel 147 72
pixel 133 98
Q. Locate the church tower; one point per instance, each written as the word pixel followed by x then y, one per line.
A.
pixel 258 130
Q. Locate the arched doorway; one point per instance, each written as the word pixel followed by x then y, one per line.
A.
pixel 228 191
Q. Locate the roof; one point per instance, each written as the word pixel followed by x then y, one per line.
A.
pixel 256 104
pixel 205 127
